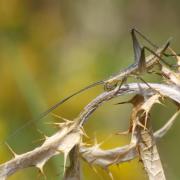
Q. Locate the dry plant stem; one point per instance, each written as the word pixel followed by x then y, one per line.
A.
pixel 62 141
pixel 70 133
pixel 148 152
pixel 150 156
pixel 73 171
pixel 104 157
pixel 162 131
pixel 171 92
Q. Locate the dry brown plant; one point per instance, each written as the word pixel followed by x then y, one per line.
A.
pixel 143 144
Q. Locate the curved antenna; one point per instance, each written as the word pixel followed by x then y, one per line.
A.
pixel 45 113
pixel 67 98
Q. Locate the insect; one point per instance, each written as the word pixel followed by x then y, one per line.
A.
pixel 141 63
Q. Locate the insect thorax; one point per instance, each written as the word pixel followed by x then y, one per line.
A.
pixel 110 85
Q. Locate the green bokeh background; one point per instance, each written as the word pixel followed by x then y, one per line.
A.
pixel 49 49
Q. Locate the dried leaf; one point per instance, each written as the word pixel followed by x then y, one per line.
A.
pixel 147 146
pixel 150 156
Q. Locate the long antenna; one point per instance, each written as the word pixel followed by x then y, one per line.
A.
pixel 51 109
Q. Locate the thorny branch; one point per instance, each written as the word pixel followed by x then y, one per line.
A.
pixel 68 139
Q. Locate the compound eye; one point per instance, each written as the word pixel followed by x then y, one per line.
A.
pixel 110 85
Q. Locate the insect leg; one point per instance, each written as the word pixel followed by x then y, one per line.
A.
pixel 139 53
pixel 150 42
pixel 136 47
pixel 145 38
pixel 158 56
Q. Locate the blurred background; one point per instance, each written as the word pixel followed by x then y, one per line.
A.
pixel 50 49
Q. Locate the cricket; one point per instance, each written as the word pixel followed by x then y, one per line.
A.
pixel 140 65
pixel 90 90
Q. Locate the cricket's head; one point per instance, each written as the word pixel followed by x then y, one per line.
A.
pixel 110 85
